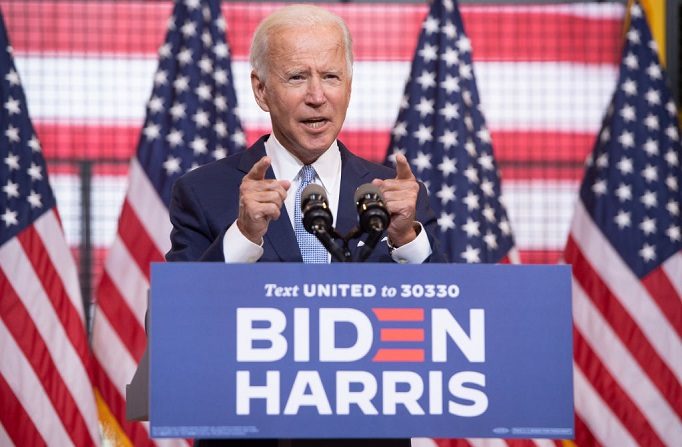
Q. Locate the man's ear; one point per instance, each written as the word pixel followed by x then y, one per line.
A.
pixel 258 87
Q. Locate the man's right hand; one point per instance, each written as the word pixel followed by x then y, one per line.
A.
pixel 260 201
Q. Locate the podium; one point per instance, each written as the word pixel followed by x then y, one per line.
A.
pixel 357 351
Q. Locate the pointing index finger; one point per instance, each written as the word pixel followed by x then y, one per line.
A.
pixel 258 170
pixel 402 167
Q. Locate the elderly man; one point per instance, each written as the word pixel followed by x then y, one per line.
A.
pixel 246 207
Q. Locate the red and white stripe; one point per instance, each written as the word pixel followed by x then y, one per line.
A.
pixel 627 343
pixel 44 360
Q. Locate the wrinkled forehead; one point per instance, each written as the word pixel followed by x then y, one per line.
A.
pixel 322 43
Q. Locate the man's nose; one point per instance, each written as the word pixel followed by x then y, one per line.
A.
pixel 315 95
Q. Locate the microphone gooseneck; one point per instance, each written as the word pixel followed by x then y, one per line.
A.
pixel 373 215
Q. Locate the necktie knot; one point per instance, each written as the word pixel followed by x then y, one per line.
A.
pixel 307 175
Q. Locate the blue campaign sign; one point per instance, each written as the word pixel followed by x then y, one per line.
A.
pixel 360 351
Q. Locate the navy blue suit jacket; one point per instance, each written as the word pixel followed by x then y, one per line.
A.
pixel 205 202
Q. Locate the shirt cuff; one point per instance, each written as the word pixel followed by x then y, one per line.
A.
pixel 415 252
pixel 238 249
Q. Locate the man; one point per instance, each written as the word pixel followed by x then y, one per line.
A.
pixel 245 208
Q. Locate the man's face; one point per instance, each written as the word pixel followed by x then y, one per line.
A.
pixel 307 89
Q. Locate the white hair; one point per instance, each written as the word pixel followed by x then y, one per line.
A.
pixel 294 16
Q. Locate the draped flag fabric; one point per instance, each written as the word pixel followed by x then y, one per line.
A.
pixel 190 120
pixel 441 130
pixel 624 245
pixel 46 393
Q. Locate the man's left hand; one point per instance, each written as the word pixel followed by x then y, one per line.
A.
pixel 400 195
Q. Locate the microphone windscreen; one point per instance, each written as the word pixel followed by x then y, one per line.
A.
pixel 365 189
pixel 313 189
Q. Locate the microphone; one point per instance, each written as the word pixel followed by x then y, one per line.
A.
pixel 374 217
pixel 317 218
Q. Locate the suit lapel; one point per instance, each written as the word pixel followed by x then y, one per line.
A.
pixel 279 243
pixel 353 174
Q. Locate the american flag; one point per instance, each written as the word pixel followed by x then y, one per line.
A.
pixel 624 245
pixel 441 130
pixel 46 394
pixel 191 119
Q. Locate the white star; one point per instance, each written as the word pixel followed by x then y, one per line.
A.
pixel 489 213
pixel 653 97
pixel 449 30
pixel 625 166
pixel 205 65
pixel 471 201
pixel 627 139
pixel 239 138
pixel 422 161
pixel 219 127
pixel 490 240
pixel 448 166
pixel 505 227
pixel 463 44
pixel 603 160
pixel 12 77
pixel 486 162
pixel 671 158
pixel 427 80
pixel 604 135
pixel 671 108
pixel 165 50
pixel 181 84
pixel 631 61
pixel 648 252
pixel 12 106
pixel 599 187
pixel 648 225
pixel 671 182
pixel 651 147
pixel 471 254
pixel 185 56
pixel 152 131
pixel 654 71
pixel 428 53
pixel 635 10
pixel 155 104
pixel 624 192
pixel 451 57
pixel 220 103
pixel 449 5
pixel 400 129
pixel 12 161
pixel 448 139
pixel 160 78
pixel 171 23
pixel 171 165
pixel 34 144
pixel 178 110
pixel 450 84
pixel 673 207
pixel 671 132
pixel 650 173
pixel 203 91
pixel 220 23
pixel 470 148
pixel 471 174
pixel 175 138
pixel 649 199
pixel 484 135
pixel 35 172
pixel 425 107
pixel 35 200
pixel 471 228
pixel 189 29
pixel 651 121
pixel 11 189
pixel 219 153
pixel 446 221
pixel 198 145
pixel 10 217
pixel 633 36
pixel 446 194
pixel 192 4
pixel 488 188
pixel 200 118
pixel 12 133
pixel 673 232
pixel 629 87
pixel 423 134
pixel 628 112
pixel 431 25
pixel 465 71
pixel 449 111
pixel 221 50
pixel 220 76
pixel 622 219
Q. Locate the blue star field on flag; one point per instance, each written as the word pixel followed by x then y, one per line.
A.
pixel 192 113
pixel 441 130
pixel 26 193
pixel 632 181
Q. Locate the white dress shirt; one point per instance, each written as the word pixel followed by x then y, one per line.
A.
pixel 237 248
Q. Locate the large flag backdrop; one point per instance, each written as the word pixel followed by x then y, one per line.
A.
pixel 625 247
pixel 46 393
pixel 190 120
